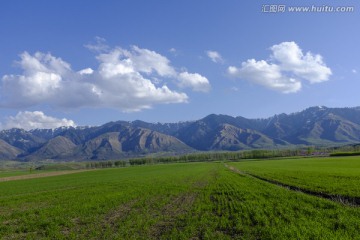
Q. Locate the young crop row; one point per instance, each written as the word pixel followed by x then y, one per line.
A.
pixel 235 206
pixel 127 203
pixel 333 176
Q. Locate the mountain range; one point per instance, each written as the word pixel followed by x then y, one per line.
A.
pixel 115 140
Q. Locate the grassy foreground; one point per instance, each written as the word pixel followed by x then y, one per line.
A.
pixel 174 201
pixel 336 175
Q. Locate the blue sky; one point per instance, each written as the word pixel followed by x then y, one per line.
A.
pixel 88 63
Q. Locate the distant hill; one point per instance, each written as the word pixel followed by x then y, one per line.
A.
pixel 221 132
pixel 7 151
pixel 114 140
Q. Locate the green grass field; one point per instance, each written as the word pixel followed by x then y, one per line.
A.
pixel 336 176
pixel 173 201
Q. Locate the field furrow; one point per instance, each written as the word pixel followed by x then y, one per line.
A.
pixel 345 200
pixel 323 176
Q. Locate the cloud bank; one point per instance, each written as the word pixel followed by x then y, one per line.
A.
pixel 32 120
pixel 126 79
pixel 287 67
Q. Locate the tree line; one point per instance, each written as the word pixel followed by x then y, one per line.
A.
pixel 231 156
pixel 202 157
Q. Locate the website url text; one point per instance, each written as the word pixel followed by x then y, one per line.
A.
pixel 273 8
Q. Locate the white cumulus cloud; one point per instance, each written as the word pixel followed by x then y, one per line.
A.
pixel 125 79
pixel 265 74
pixel 307 66
pixel 37 119
pixel 86 71
pixel 284 72
pixel 214 56
pixel 147 61
pixel 194 81
pixel 41 79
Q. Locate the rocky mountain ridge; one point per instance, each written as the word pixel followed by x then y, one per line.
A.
pixel 121 139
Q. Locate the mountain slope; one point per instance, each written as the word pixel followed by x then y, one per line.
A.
pixel 7 151
pixel 316 125
pixel 221 132
pixel 56 148
pixel 228 137
pixel 312 126
pixel 105 146
pixel 22 139
pixel 127 142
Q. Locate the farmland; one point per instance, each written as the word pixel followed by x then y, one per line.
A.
pixel 13 173
pixel 336 176
pixel 184 201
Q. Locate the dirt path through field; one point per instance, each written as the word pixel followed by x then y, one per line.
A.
pixel 41 175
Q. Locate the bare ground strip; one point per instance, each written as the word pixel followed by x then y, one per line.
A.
pixel 41 175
